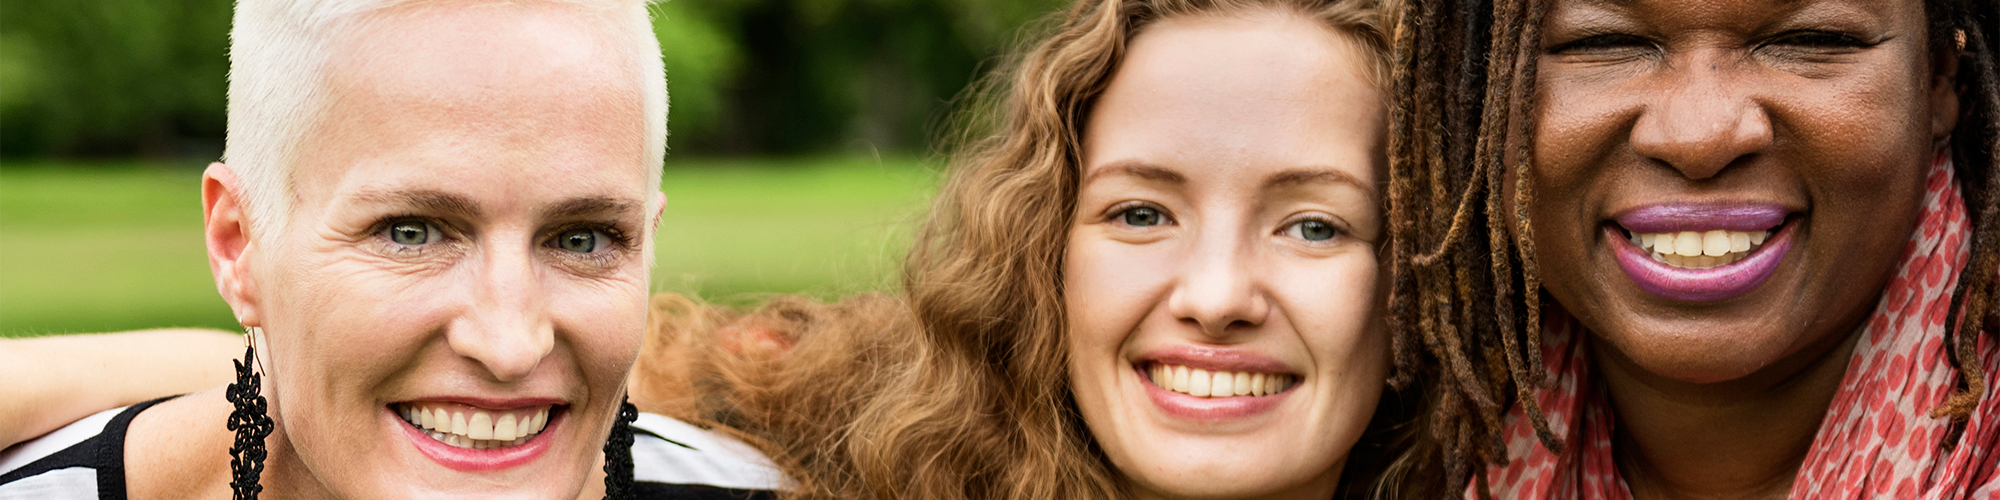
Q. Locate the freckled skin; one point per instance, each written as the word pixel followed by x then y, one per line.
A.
pixel 513 111
pixel 1225 103
pixel 1731 102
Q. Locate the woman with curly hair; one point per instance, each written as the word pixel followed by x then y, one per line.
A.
pixel 1153 273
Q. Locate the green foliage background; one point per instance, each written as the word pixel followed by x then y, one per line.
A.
pixel 117 78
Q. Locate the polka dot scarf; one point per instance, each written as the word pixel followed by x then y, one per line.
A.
pixel 1878 440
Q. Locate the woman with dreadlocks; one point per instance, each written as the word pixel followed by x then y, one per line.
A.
pixel 1770 231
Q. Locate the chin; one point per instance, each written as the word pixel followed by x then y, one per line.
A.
pixel 1701 352
pixel 1269 462
pixel 1240 475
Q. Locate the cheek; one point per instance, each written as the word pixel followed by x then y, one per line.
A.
pixel 604 322
pixel 1108 289
pixel 1337 306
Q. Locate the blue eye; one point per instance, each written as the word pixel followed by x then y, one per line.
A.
pixel 1142 217
pixel 412 233
pixel 1312 230
pixel 580 240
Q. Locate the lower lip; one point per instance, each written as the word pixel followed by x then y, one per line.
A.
pixel 1701 285
pixel 471 460
pixel 1199 409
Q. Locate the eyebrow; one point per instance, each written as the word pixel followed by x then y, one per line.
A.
pixel 440 202
pixel 591 206
pixel 1137 169
pixel 424 200
pixel 1316 175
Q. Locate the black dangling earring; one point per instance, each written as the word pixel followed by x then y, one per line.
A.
pixel 252 424
pixel 618 454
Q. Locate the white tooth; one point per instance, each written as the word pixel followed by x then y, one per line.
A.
pixel 480 426
pixel 1198 380
pixel 504 430
pixel 1757 238
pixel 1647 240
pixel 1664 243
pixel 1687 243
pixel 541 419
pixel 423 417
pixel 1224 386
pixel 1635 238
pixel 1271 383
pixel 1257 385
pixel 1739 242
pixel 457 423
pixel 1180 379
pixel 1152 375
pixel 1242 384
pixel 442 419
pixel 1704 262
pixel 1715 243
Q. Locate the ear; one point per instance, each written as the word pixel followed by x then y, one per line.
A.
pixel 1944 90
pixel 227 232
pixel 659 208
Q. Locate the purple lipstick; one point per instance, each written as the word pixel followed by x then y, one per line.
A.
pixel 1701 253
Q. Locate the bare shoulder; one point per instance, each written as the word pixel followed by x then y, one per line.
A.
pixel 180 449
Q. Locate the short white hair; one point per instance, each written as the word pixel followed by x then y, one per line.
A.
pixel 279 53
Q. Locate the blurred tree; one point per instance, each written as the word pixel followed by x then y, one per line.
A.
pixel 118 78
pixel 97 77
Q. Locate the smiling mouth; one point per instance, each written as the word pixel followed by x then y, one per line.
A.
pixel 1202 383
pixel 1699 249
pixel 474 428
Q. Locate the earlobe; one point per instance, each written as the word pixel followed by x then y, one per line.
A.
pixel 227 232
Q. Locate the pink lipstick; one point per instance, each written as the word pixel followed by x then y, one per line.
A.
pixel 1735 269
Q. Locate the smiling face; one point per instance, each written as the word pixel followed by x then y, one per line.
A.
pixel 460 288
pixel 1730 183
pixel 1221 279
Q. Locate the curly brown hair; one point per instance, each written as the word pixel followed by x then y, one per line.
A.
pixel 959 390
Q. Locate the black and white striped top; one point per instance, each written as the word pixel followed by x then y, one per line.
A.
pixel 670 459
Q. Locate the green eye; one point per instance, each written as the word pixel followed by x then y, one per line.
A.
pixel 411 233
pixel 579 240
pixel 1143 217
pixel 1314 230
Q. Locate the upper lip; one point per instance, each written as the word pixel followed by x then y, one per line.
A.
pixel 1678 217
pixel 1214 359
pixel 491 403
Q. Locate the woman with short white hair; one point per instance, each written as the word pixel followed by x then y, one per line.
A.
pixel 434 222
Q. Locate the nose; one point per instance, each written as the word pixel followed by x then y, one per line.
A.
pixel 507 328
pixel 1702 121
pixel 1218 289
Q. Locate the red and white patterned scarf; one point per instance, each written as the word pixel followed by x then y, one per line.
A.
pixel 1878 440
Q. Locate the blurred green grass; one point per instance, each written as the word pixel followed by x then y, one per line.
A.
pixel 103 246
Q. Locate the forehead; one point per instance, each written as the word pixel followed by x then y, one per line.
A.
pixel 1742 15
pixel 460 90
pixel 1260 90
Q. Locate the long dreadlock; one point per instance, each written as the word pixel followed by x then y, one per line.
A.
pixel 1465 309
